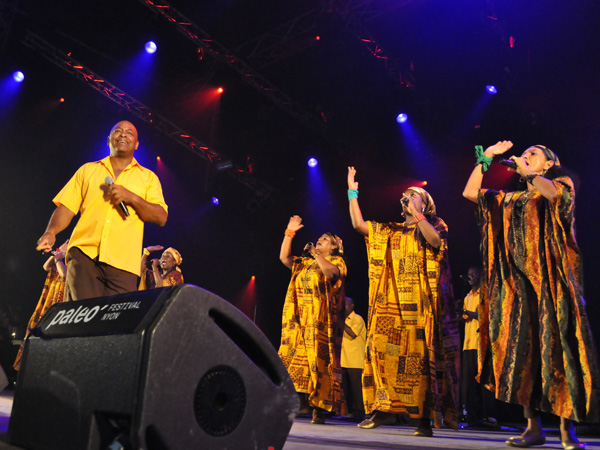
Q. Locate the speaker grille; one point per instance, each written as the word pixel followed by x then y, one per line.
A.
pixel 220 401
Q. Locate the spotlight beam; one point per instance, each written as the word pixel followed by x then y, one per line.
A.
pixel 97 82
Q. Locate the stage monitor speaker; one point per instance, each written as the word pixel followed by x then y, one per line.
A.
pixel 164 369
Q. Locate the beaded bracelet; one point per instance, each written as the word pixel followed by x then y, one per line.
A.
pixel 290 233
pixel 352 193
pixel 485 161
pixel 418 217
pixel 146 252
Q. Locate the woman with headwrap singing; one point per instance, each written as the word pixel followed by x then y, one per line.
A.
pixel 313 322
pixel 53 292
pixel 536 345
pixel 411 359
pixel 165 271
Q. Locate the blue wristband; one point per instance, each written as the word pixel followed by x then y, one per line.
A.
pixel 352 193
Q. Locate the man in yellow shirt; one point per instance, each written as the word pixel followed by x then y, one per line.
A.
pixel 353 360
pixel 478 401
pixel 115 197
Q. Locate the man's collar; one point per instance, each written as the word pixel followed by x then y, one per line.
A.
pixel 106 162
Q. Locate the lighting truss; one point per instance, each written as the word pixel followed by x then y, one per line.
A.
pixel 66 62
pixel 265 48
pixel 219 52
pixel 358 12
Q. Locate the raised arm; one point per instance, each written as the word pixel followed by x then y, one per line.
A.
pixel 358 222
pixel 285 254
pixel 60 265
pixel 49 264
pixel 473 186
pixel 61 218
pixel 146 253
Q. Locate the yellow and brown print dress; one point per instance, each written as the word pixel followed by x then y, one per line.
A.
pixel 312 330
pixel 52 293
pixel 541 352
pixel 411 362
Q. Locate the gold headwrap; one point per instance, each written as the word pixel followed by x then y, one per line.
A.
pixel 427 199
pixel 175 254
pixel 336 240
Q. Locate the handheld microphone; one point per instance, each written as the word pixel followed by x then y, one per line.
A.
pixel 109 180
pixel 508 163
pixel 306 251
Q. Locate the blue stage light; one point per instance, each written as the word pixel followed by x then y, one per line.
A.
pixel 18 76
pixel 215 201
pixel 150 47
pixel 312 162
pixel 401 118
pixel 491 89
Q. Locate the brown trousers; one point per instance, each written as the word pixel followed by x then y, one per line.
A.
pixel 89 278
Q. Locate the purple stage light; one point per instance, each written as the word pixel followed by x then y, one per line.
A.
pixel 150 47
pixel 215 201
pixel 401 118
pixel 491 89
pixel 18 76
pixel 312 162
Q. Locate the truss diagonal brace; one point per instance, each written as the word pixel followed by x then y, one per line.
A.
pixel 95 81
pixel 219 52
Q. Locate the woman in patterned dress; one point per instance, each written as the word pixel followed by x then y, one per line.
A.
pixel 536 346
pixel 52 293
pixel 411 361
pixel 165 271
pixel 313 322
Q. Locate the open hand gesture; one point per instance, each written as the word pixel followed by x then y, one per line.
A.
pixel 351 173
pixel 498 148
pixel 295 223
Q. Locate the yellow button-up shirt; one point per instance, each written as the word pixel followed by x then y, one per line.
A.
pixel 471 341
pixel 353 349
pixel 102 230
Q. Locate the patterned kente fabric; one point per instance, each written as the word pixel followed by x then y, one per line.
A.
pixel 312 330
pixel 537 348
pixel 147 280
pixel 412 355
pixel 53 292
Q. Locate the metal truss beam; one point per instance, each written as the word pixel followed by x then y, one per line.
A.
pixel 66 62
pixel 271 46
pixel 200 38
pixel 356 14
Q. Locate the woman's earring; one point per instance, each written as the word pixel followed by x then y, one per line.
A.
pixel 423 209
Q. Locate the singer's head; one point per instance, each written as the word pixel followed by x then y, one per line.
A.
pixel 540 159
pixel 474 276
pixel 330 244
pixel 423 201
pixel 170 260
pixel 123 140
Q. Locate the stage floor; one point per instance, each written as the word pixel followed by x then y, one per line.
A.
pixel 340 434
